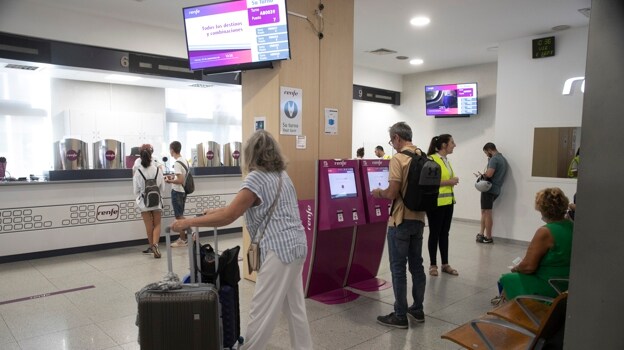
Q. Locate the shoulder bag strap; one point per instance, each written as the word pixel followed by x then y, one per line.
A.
pixel 272 208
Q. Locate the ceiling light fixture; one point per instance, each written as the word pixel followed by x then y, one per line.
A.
pixel 402 57
pixel 420 21
pixel 417 62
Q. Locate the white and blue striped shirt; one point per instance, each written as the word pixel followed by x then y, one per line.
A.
pixel 284 234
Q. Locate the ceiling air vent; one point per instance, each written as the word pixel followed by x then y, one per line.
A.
pixel 21 66
pixel 382 52
pixel 585 11
pixel 200 85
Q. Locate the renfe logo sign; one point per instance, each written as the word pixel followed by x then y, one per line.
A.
pixel 568 84
pixel 235 154
pixel 110 155
pixel 71 155
pixel 107 212
pixel 210 155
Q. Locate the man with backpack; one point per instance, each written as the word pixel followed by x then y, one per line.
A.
pixel 405 226
pixel 178 193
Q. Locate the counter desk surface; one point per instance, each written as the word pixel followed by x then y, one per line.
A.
pixel 51 215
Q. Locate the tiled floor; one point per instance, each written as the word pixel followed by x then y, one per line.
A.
pixel 103 317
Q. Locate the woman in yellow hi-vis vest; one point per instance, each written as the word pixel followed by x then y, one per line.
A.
pixel 440 218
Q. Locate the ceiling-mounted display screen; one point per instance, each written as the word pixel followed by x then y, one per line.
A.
pixel 232 34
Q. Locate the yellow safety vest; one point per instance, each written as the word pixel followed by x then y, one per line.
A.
pixel 574 164
pixel 446 196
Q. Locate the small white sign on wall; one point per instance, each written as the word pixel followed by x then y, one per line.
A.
pixel 331 121
pixel 290 110
pixel 259 123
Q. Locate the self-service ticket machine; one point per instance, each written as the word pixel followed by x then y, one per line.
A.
pixel 370 236
pixel 339 210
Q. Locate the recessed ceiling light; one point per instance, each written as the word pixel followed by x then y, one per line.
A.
pixel 416 61
pixel 120 77
pixel 420 21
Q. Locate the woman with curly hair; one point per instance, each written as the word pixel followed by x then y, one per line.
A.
pixel 548 254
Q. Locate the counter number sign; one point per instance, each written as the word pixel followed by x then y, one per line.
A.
pixel 544 47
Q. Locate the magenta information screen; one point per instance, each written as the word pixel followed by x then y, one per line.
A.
pixel 342 183
pixel 451 99
pixel 236 32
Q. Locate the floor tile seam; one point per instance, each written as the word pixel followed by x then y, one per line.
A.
pixel 56 331
pixel 9 329
pixel 367 340
pixel 108 335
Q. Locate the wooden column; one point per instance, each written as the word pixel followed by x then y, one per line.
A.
pixel 323 69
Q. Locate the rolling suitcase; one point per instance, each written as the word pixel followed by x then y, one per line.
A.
pixel 224 273
pixel 186 318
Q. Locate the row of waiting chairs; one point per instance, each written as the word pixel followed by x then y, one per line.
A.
pixel 526 322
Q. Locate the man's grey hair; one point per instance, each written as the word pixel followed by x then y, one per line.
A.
pixel 402 130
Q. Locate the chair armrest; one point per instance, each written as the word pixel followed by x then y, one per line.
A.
pixel 526 310
pixel 500 323
pixel 553 284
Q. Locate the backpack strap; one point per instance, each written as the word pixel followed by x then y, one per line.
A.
pixel 143 176
pixel 185 175
pixel 155 177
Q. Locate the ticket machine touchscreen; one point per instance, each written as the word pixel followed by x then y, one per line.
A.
pixel 377 177
pixel 342 183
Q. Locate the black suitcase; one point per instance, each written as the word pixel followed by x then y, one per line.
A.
pixel 187 318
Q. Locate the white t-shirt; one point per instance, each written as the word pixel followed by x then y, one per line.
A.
pixel 178 169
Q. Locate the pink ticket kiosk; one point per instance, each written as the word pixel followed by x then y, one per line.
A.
pixel 370 236
pixel 339 210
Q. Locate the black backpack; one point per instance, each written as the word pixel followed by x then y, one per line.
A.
pixel 423 183
pixel 151 193
pixel 189 183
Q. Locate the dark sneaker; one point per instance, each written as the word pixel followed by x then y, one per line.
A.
pixel 392 321
pixel 147 251
pixel 418 315
pixel 487 240
pixel 156 251
pixel 479 238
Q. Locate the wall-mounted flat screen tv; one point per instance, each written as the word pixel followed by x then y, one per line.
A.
pixel 342 183
pixel 236 35
pixel 451 100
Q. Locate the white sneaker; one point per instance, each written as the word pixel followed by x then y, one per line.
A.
pixel 179 243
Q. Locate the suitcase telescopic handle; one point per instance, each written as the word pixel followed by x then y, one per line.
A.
pixel 168 240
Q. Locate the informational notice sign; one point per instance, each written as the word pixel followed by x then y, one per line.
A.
pixel 290 110
pixel 331 121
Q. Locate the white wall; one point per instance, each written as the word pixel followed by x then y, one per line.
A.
pixel 372 120
pixel 529 96
pixel 516 95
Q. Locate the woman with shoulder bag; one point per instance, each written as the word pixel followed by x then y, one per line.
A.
pixel 269 202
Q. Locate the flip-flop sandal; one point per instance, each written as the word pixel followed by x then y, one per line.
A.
pixel 433 270
pixel 448 269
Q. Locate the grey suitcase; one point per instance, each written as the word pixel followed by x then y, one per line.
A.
pixel 186 318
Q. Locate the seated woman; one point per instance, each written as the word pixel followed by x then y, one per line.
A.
pixel 548 254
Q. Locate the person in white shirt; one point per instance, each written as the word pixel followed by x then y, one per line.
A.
pixel 178 195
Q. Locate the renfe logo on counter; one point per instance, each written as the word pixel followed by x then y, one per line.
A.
pixel 236 154
pixel 71 155
pixel 110 155
pixel 210 155
pixel 107 212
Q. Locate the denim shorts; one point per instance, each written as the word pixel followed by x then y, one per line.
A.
pixel 177 202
